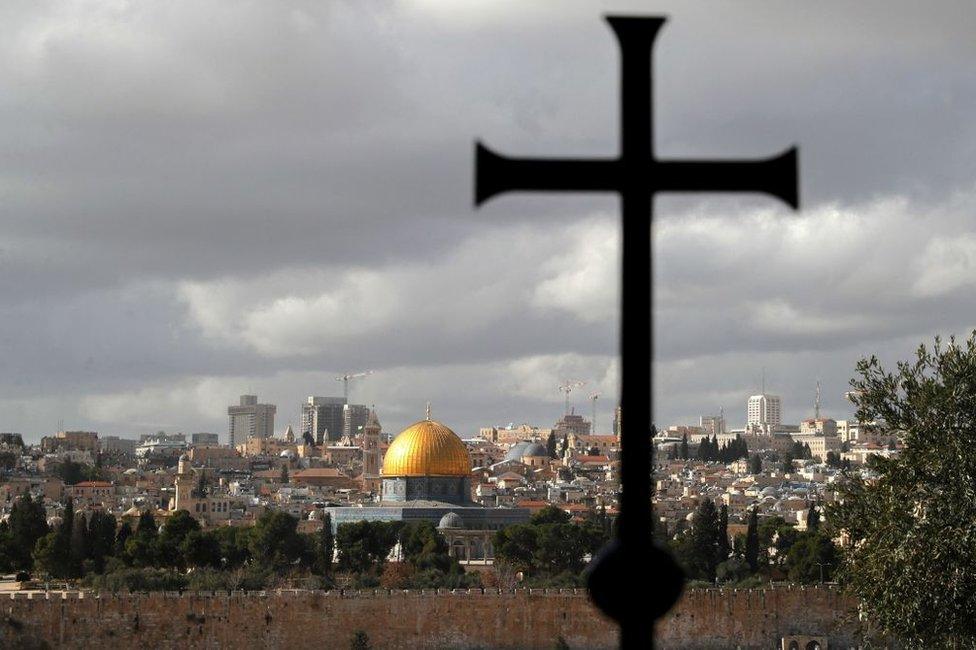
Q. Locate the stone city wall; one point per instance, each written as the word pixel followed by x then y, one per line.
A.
pixel 712 618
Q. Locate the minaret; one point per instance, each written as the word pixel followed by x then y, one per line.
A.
pixel 371 453
pixel 184 484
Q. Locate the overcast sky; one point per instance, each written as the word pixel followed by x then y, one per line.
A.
pixel 203 199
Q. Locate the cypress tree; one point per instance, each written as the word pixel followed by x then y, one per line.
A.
pixel 703 548
pixel 27 525
pixel 79 541
pixel 752 541
pixel 61 555
pixel 723 534
pixel 755 464
pixel 684 447
pixel 326 546
pixel 125 531
pixel 551 445
pixel 813 518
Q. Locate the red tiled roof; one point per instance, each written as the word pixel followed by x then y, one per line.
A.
pixel 593 459
pixel 531 505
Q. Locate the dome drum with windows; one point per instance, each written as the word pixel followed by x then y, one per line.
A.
pixel 427 461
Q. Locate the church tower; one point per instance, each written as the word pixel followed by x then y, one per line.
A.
pixel 371 453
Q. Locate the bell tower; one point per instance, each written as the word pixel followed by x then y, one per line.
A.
pixel 371 453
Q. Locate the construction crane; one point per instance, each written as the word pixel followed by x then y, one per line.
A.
pixel 568 387
pixel 351 375
pixel 593 398
pixel 816 404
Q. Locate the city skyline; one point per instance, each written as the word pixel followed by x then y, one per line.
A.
pixel 733 419
pixel 200 220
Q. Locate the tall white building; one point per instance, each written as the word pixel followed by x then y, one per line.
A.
pixel 250 420
pixel 764 412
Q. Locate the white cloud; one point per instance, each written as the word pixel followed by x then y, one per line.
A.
pixel 583 278
pixel 781 317
pixel 179 405
pixel 946 265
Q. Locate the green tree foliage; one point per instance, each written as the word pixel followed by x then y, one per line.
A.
pixel 364 545
pixel 813 517
pixel 79 544
pixel 560 548
pixel 732 570
pixel 722 539
pixel 72 473
pixel 140 547
pixel 26 525
pixel 684 447
pixel 101 539
pixel 551 445
pixel 755 464
pixel 697 549
pixel 325 548
pixel 515 545
pixel 751 555
pixel 169 545
pixel 786 462
pixel 550 515
pixel 834 460
pixel 52 553
pixel 776 536
pixel 234 544
pixel 200 549
pixel 710 451
pixel 912 528
pixel 550 548
pixel 121 537
pixel 812 558
pixel 424 547
pixel 275 541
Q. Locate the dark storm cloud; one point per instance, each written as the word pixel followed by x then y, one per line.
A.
pixel 205 198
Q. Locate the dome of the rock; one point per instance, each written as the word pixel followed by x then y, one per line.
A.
pixel 427 448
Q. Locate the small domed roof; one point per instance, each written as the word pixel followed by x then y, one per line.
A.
pixel 451 520
pixel 535 449
pixel 515 453
pixel 526 449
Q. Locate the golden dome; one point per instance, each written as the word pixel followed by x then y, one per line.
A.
pixel 427 448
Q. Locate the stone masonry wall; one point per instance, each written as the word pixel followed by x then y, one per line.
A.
pixel 535 618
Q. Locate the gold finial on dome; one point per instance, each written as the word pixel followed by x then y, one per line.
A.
pixel 428 411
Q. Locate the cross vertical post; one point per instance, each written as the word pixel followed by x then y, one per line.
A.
pixel 636 175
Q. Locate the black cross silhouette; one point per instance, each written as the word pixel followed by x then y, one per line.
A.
pixel 631 562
